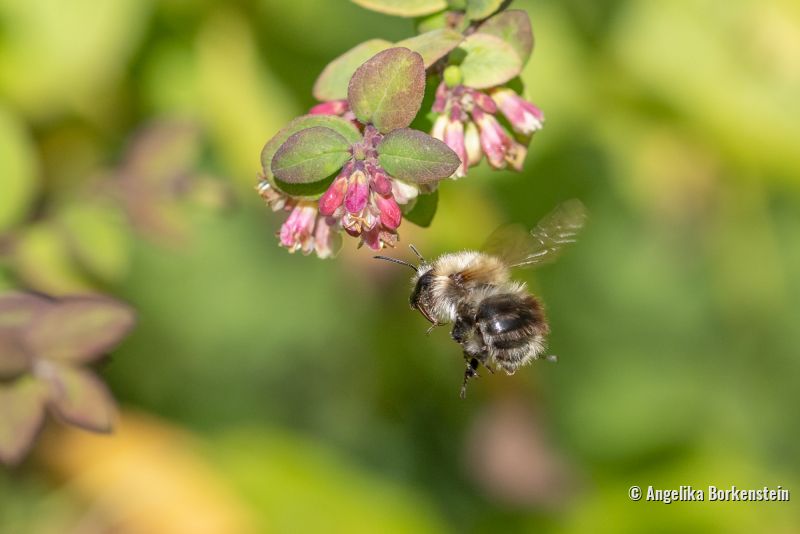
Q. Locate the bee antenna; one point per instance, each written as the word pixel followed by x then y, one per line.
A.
pixel 395 260
pixel 415 251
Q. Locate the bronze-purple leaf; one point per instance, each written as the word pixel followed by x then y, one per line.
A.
pixel 332 81
pixel 21 416
pixel 416 157
pixel 387 90
pixel 79 328
pixel 80 398
pixel 310 155
pixel 339 125
pixel 18 308
pixel 514 27
pixel 14 360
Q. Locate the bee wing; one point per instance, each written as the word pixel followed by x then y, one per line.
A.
pixel 518 247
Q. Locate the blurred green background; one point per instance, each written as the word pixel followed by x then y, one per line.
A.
pixel 265 392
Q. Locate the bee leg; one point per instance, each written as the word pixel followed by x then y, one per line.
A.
pixel 430 329
pixel 470 372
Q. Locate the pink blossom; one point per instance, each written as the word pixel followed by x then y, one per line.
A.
pixel 331 107
pixel 297 231
pixel 324 239
pixel 494 139
pixel 357 192
pixel 330 201
pixel 404 192
pixel 390 211
pixel 454 138
pixel 472 143
pixel 524 117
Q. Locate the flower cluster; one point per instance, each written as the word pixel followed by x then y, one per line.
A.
pixel 356 165
pixel 467 123
pixel 363 200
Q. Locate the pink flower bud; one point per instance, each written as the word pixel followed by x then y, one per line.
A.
pixel 357 192
pixel 351 224
pixel 372 238
pixel 494 140
pixel 275 199
pixel 515 156
pixel 324 238
pixel 484 101
pixel 390 211
pixel 380 183
pixel 404 192
pixel 334 196
pixel 441 98
pixel 454 138
pixel 472 142
pixel 524 117
pixel 296 231
pixel 439 126
pixel 331 107
pixel 370 217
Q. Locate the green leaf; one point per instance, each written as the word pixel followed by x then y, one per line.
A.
pixel 404 8
pixel 416 157
pixel 43 260
pixel 309 191
pixel 513 27
pixel 98 236
pixel 480 9
pixel 18 171
pixel 20 418
pixel 488 61
pixel 80 398
pixel 437 21
pixel 332 82
pixel 387 90
pixel 310 155
pixel 341 126
pixel 79 328
pixel 433 45
pixel 422 209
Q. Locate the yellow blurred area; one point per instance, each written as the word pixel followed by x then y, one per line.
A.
pixel 148 477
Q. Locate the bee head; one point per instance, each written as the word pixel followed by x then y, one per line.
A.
pixel 420 295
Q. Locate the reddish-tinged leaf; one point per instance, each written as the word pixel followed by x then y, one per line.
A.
pixel 513 27
pixel 79 398
pixel 404 8
pixel 79 329
pixel 332 81
pixel 387 90
pixel 18 309
pixel 433 45
pixel 310 156
pixel 488 61
pixel 337 124
pixel 14 359
pixel 21 415
pixel 416 157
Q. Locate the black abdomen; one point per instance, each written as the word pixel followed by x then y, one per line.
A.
pixel 513 327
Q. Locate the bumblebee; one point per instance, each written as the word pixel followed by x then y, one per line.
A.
pixel 497 322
